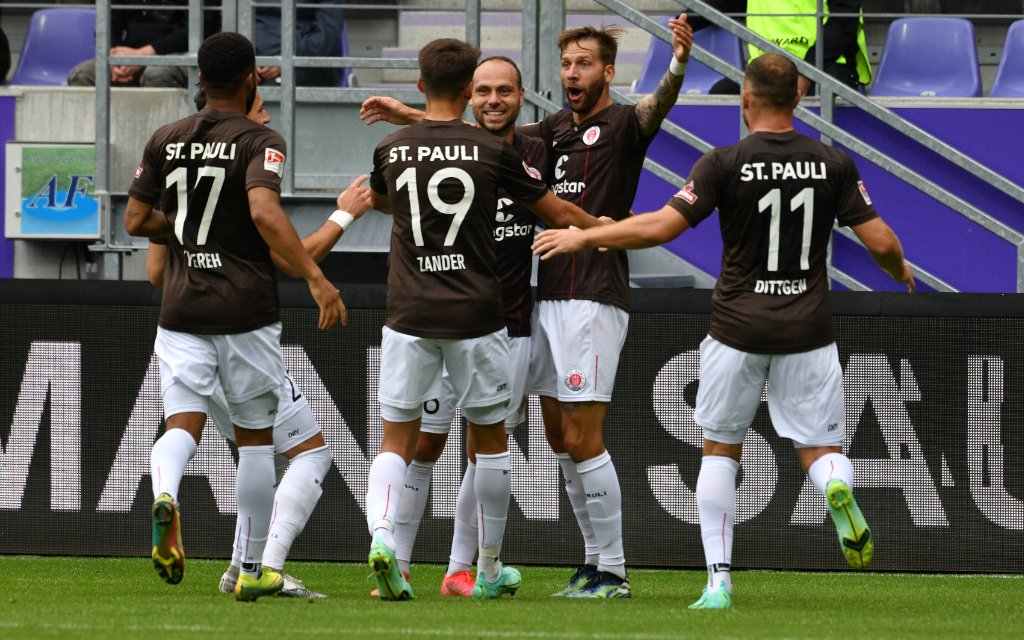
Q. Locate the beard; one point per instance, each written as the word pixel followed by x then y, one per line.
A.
pixel 250 100
pixel 588 98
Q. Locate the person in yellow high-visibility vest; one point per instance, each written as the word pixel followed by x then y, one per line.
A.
pixel 845 50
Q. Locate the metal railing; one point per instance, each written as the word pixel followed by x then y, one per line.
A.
pixel 542 21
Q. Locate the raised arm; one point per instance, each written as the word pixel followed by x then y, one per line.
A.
pixel 652 108
pixel 385 109
pixel 886 250
pixel 355 200
pixel 635 232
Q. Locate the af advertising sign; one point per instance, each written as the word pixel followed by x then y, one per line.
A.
pixel 50 191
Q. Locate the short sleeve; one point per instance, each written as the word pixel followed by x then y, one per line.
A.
pixel 265 166
pixel 700 195
pixel 147 185
pixel 853 202
pixel 377 182
pixel 515 178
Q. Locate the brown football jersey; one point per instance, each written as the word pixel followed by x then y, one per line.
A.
pixel 513 232
pixel 442 181
pixel 219 279
pixel 596 165
pixel 778 195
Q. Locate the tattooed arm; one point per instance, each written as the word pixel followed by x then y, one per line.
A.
pixel 140 219
pixel 652 108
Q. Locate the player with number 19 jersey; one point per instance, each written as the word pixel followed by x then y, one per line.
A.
pixel 442 181
pixel 778 195
pixel 220 279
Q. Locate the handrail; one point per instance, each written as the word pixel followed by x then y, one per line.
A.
pixel 827 128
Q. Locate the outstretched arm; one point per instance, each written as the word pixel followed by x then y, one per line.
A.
pixel 886 251
pixel 652 108
pixel 355 200
pixel 634 232
pixel 558 213
pixel 386 109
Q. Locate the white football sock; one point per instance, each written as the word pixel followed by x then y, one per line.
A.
pixel 296 497
pixel 493 486
pixel 831 466
pixel 383 492
pixel 578 500
pixel 254 489
pixel 168 459
pixel 464 539
pixel 716 501
pixel 411 506
pixel 604 505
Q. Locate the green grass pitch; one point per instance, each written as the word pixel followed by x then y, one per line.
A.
pixel 123 598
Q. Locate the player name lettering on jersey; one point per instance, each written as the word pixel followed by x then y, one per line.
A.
pixel 444 262
pixel 203 260
pixel 781 287
pixel 200 151
pixel 802 170
pixel 513 231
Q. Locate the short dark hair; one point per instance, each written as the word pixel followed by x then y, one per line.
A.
pixel 447 66
pixel 225 59
pixel 772 79
pixel 607 39
pixel 519 74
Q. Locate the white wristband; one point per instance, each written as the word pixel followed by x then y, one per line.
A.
pixel 676 68
pixel 342 218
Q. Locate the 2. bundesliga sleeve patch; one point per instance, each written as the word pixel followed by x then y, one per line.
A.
pixel 533 173
pixel 575 380
pixel 864 192
pixel 138 171
pixel 686 194
pixel 273 160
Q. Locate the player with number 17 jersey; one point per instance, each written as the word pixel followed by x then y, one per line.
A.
pixel 220 279
pixel 442 180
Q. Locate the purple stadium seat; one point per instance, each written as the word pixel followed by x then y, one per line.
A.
pixel 929 57
pixel 56 41
pixel 344 73
pixel 1009 82
pixel 699 77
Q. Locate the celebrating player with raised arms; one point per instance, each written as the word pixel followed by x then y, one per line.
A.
pixel 778 194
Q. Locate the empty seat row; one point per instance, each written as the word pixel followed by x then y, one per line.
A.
pixel 921 57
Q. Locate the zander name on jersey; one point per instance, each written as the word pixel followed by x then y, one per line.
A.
pixel 435 153
pixel 800 170
pixel 443 262
pixel 200 151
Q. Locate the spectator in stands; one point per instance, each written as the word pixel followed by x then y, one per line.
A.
pixel 845 55
pixel 317 33
pixel 5 57
pixel 147 32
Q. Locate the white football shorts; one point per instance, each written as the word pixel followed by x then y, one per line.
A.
pixel 477 367
pixel 246 366
pixel 805 394
pixel 575 349
pixel 293 425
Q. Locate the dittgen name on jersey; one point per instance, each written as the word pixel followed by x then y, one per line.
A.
pixel 781 287
pixel 443 262
pixel 200 151
pixel 802 170
pixel 435 153
pixel 203 260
